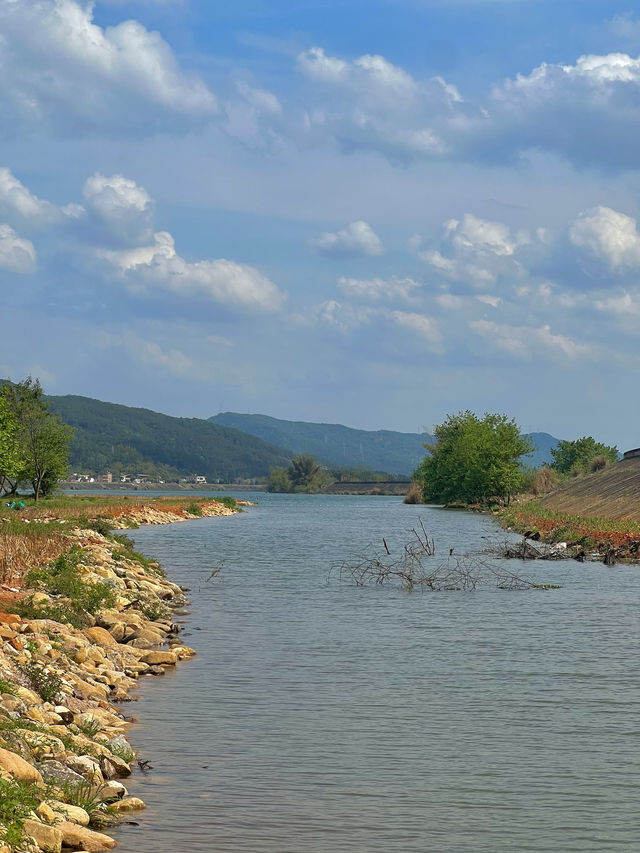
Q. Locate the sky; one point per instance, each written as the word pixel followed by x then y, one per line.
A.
pixel 372 213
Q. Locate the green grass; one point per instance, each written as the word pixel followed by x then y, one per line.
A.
pixel 46 684
pixel 17 800
pixel 90 727
pixel 7 688
pixel 194 509
pixel 125 753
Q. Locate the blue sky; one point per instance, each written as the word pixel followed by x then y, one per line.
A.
pixel 368 213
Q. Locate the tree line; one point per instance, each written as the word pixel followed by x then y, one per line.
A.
pixel 34 442
pixel 479 460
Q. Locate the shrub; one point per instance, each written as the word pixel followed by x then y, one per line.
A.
pixel 545 481
pixel 62 577
pixel 17 801
pixel 46 684
pixel 194 509
pixel 414 494
pixel 598 463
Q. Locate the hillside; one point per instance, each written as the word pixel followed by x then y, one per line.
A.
pixel 396 453
pixel 112 437
pixel 613 493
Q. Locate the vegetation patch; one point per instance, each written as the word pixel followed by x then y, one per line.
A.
pixel 17 801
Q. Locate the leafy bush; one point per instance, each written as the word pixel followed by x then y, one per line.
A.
pixel 17 801
pixel 62 577
pixel 46 684
pixel 7 688
pixel 194 509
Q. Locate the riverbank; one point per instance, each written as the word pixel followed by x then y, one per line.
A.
pixel 593 538
pixel 78 629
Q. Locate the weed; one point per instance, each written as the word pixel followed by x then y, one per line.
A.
pixel 46 684
pixel 194 509
pixel 17 800
pixel 123 752
pixel 154 610
pixel 7 687
pixel 62 577
pixel 90 726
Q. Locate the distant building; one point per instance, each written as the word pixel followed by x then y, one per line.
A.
pixel 201 479
pixel 105 478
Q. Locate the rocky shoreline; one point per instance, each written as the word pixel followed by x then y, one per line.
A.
pixel 63 750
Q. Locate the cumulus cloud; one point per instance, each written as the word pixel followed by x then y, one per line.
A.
pixel 475 252
pixel 369 103
pixel 159 265
pixel 378 289
pixel 422 325
pixel 608 235
pixel 121 206
pixel 524 341
pixel 358 238
pixel 16 253
pixel 63 70
pixel 18 201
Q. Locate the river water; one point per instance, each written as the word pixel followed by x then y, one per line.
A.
pixel 321 717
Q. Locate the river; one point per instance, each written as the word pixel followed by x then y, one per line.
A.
pixel 321 717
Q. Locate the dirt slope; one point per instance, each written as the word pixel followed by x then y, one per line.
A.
pixel 612 493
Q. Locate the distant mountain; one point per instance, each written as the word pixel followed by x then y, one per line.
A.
pixel 396 453
pixel 112 437
pixel 336 445
pixel 544 444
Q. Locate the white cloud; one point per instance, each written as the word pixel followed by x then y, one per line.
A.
pixel 609 235
pixel 422 325
pixel 150 354
pixel 376 289
pixel 17 200
pixel 358 238
pixel 62 69
pixel 523 341
pixel 224 281
pixel 122 206
pixel 494 301
pixel 16 253
pixel 475 251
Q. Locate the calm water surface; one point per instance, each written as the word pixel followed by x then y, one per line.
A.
pixel 322 718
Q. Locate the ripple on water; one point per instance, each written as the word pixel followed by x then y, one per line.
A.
pixel 320 718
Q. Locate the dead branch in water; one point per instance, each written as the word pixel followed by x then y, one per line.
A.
pixel 412 569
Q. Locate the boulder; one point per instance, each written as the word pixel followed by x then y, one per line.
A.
pixel 129 804
pixel 14 767
pixel 48 838
pixel 80 838
pixel 101 637
pixel 73 814
pixel 54 771
pixel 160 658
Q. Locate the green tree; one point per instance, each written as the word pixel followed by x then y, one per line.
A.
pixel 11 461
pixel 44 440
pixel 304 472
pixel 577 455
pixel 473 459
pixel 279 481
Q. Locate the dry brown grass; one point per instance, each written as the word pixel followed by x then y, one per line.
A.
pixel 545 481
pixel 414 494
pixel 20 552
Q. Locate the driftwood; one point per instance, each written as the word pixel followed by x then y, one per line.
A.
pixel 413 568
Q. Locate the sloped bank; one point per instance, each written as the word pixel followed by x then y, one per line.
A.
pixel 63 752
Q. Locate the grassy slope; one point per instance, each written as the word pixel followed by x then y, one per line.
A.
pixel 613 493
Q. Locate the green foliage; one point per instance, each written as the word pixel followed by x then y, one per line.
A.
pixel 7 688
pixel 42 437
pixel 194 509
pixel 154 609
pixel 17 800
pixel 473 460
pixel 62 577
pixel 279 481
pixel 11 458
pixel 90 727
pixel 577 456
pixel 110 437
pixel 46 684
pixel 126 753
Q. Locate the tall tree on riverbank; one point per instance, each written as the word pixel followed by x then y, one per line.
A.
pixel 473 460
pixel 11 460
pixel 42 437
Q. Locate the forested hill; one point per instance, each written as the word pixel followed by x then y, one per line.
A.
pixel 118 438
pixel 336 445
